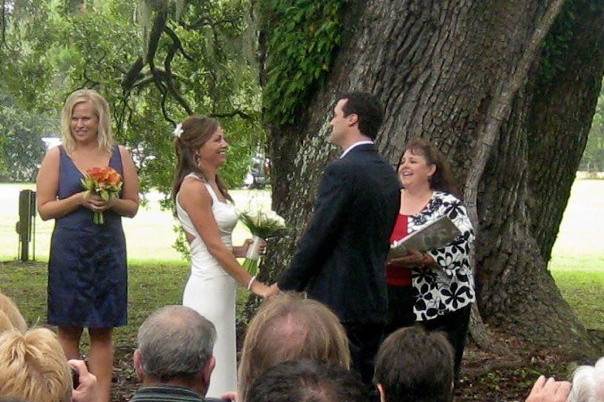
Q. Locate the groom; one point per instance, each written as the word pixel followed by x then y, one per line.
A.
pixel 341 257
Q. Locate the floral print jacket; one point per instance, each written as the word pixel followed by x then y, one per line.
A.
pixel 450 286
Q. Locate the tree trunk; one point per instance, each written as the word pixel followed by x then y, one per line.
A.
pixel 437 66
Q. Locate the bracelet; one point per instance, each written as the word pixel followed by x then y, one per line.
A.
pixel 251 282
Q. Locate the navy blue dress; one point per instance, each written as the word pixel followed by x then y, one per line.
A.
pixel 87 274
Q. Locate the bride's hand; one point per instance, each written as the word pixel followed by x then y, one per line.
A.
pixel 241 252
pixel 248 243
pixel 260 289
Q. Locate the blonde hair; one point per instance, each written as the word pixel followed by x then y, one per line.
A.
pixel 290 327
pixel 101 109
pixel 33 366
pixel 10 317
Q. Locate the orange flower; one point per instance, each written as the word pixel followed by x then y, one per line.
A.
pixel 104 177
pixel 105 182
pixel 113 178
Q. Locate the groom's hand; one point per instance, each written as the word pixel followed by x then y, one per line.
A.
pixel 273 290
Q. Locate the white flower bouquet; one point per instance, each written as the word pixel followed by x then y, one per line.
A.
pixel 262 225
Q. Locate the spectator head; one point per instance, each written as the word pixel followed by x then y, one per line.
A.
pixel 307 381
pixel 175 346
pixel 33 366
pixel 290 327
pixel 101 110
pixel 588 383
pixel 10 317
pixel 355 114
pixel 413 365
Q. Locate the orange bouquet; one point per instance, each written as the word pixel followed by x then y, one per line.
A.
pixel 104 182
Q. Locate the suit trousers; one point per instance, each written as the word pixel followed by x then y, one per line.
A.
pixel 455 325
pixel 400 308
pixel 364 340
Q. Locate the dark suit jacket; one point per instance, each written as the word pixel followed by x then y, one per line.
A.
pixel 340 260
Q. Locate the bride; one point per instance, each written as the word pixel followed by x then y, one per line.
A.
pixel 207 214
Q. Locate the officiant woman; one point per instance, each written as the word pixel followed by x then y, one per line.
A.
pixel 87 279
pixel 435 288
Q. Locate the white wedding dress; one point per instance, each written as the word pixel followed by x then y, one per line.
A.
pixel 211 292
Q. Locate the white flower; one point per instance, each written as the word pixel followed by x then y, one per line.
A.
pixel 178 130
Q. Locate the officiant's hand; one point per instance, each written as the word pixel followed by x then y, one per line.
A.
pixel 414 259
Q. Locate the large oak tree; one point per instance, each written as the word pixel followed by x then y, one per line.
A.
pixel 505 88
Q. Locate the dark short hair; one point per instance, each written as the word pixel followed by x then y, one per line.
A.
pixel 413 365
pixel 368 109
pixel 307 381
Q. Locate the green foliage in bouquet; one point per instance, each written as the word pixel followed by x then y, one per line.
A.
pixel 263 225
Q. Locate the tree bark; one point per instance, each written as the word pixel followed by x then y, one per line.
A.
pixel 437 66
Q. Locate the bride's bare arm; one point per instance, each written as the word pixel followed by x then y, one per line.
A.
pixel 195 199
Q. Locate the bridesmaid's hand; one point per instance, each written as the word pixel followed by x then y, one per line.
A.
pixel 95 203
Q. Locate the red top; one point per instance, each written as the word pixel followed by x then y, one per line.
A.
pixel 396 275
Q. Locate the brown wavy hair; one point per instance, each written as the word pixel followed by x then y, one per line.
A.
pixel 196 131
pixel 290 327
pixel 442 180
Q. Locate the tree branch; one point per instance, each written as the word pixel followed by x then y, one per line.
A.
pixel 133 75
pixel 500 106
pixel 233 113
pixel 168 77
pixel 208 22
pixel 165 111
pixel 178 43
pixel 3 22
pixel 487 133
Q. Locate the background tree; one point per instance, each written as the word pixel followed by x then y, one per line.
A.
pixel 593 157
pixel 21 146
pixel 472 78
pixel 154 61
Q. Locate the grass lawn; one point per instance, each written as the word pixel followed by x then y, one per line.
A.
pixel 150 286
pixel 149 235
pixel 583 290
pixel 157 274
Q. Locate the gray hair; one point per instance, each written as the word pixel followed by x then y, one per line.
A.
pixel 175 342
pixel 588 383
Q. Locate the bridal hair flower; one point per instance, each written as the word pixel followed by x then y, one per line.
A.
pixel 178 130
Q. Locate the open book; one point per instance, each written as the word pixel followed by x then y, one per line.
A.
pixel 436 234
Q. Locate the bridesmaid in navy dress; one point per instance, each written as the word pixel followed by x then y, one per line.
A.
pixel 87 275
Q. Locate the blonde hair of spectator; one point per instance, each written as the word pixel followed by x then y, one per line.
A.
pixel 33 367
pixel 290 327
pixel 10 317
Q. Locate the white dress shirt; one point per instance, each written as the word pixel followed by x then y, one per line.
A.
pixel 356 144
